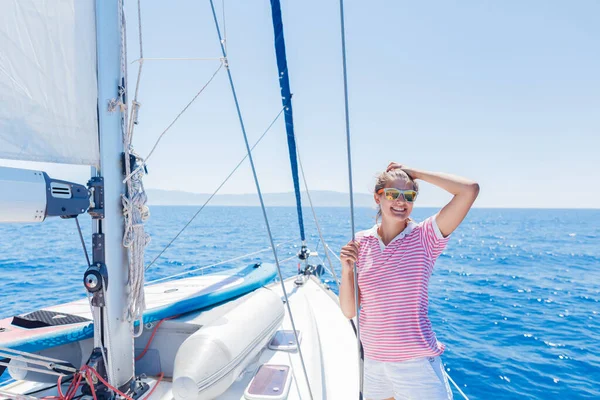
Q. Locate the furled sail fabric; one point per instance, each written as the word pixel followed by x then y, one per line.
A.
pixel 48 86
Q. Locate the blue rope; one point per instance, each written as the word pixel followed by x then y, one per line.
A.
pixel 286 99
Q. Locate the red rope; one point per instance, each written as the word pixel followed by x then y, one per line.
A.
pixel 88 378
pixel 71 390
pixel 101 379
pixel 59 384
pixel 143 353
pixel 114 389
pixel 86 372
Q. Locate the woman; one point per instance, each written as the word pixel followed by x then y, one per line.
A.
pixel 394 262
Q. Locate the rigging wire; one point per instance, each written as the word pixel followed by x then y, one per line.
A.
pixel 135 104
pixel 332 268
pixel 134 199
pixel 352 198
pixel 218 188
pixel 262 203
pixel 141 60
pixel 223 60
pixel 445 373
pixel 219 263
pixel 224 26
pixel 295 256
pixel 455 385
pixel 332 252
pixel 145 160
pixel 327 268
pixel 347 120
pixel 87 257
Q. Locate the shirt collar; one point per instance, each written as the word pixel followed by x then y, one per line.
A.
pixel 409 227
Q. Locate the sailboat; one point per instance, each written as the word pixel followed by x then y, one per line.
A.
pixel 233 335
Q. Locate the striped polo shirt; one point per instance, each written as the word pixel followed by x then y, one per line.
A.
pixel 393 282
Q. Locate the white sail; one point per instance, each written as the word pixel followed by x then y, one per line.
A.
pixel 48 86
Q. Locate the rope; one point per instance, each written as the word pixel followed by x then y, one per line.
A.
pixel 332 252
pixel 107 338
pixel 84 373
pixel 72 389
pixel 33 369
pixel 224 25
pixel 326 267
pixel 51 366
pixel 89 370
pixel 135 105
pixel 216 191
pixel 262 203
pixel 141 60
pixel 447 374
pixel 87 257
pixel 135 211
pixel 139 4
pixel 347 115
pixel 456 386
pixel 143 353
pixel 337 281
pixel 16 396
pixel 352 199
pixel 136 240
pixel 5 352
pixel 96 313
pixel 288 259
pixel 143 163
pixel 219 263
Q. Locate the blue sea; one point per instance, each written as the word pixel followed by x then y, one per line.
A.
pixel 515 296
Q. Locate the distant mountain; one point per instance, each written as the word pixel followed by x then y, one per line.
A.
pixel 320 198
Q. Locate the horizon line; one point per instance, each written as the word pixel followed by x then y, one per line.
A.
pixel 427 206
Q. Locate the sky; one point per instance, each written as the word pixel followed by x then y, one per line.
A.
pixel 506 93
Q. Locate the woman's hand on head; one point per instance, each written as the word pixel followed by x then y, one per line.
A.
pixel 394 165
pixel 349 255
pixel 409 171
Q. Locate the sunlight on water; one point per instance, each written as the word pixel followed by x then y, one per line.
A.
pixel 515 296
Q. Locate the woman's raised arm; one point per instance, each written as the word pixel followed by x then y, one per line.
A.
pixel 465 192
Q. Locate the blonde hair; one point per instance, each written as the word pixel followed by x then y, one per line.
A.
pixel 385 177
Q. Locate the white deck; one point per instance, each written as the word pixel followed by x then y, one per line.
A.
pixel 328 345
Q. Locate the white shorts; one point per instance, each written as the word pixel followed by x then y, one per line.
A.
pixel 420 378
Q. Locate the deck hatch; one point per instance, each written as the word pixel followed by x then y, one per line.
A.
pixel 284 340
pixel 271 382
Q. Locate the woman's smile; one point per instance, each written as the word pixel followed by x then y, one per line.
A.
pixel 398 210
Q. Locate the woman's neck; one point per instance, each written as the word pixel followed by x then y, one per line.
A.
pixel 389 230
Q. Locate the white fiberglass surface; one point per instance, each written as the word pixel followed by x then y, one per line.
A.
pixel 328 344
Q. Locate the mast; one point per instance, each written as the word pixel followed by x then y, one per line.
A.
pixel 116 330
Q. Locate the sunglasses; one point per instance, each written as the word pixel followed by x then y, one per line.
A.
pixel 392 194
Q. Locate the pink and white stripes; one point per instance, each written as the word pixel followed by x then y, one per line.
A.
pixel 393 283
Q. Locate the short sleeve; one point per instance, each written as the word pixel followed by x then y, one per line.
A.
pixel 432 238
